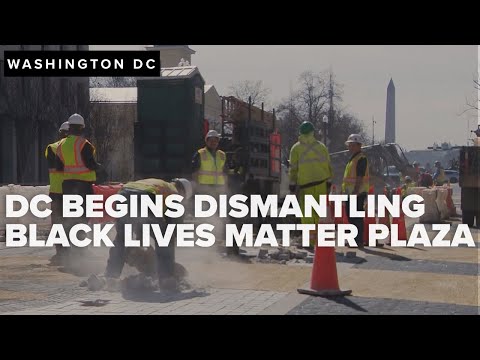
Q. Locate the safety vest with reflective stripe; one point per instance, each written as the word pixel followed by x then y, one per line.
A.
pixel 406 187
pixel 211 169
pixel 350 176
pixel 55 176
pixel 441 178
pixel 309 162
pixel 70 153
pixel 152 186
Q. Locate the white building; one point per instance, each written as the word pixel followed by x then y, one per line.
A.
pixel 172 55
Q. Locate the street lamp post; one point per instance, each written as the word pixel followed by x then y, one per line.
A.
pixel 325 126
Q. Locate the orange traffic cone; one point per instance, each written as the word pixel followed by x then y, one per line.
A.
pixel 451 206
pixel 367 221
pixel 400 221
pixel 324 280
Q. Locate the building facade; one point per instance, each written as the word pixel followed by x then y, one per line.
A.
pixel 171 55
pixel 31 111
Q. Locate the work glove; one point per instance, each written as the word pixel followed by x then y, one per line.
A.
pixel 293 189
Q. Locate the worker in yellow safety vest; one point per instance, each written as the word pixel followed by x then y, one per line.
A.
pixel 408 184
pixel 75 157
pixel 55 181
pixel 209 166
pixel 165 256
pixel 210 170
pixel 310 171
pixel 439 177
pixel 356 181
pixel 55 177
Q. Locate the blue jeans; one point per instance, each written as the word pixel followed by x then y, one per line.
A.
pixel 165 256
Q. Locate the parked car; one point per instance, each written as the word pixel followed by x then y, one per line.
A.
pixel 452 175
pixel 392 176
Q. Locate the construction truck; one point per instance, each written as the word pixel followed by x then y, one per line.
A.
pixel 470 182
pixel 171 127
pixel 253 148
pixel 387 165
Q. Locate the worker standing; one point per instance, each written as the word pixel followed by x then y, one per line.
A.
pixel 75 157
pixel 209 168
pixel 165 256
pixel 310 171
pixel 55 189
pixel 439 177
pixel 356 181
pixel 417 173
pixel 409 183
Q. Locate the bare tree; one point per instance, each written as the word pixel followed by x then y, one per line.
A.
pixel 112 82
pixel 318 95
pixel 254 89
pixel 36 107
pixel 312 96
pixel 476 85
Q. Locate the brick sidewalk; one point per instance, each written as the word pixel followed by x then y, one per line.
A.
pixel 196 302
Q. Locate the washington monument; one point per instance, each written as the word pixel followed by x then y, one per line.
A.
pixel 390 118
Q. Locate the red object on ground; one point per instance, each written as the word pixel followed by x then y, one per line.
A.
pixel 367 221
pixel 400 221
pixel 106 191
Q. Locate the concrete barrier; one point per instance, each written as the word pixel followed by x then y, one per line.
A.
pixel 432 215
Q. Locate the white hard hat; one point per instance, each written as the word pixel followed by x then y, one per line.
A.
pixel 212 133
pixel 186 185
pixel 354 138
pixel 76 119
pixel 64 127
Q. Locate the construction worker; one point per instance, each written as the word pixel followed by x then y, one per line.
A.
pixel 75 157
pixel 209 168
pixel 439 177
pixel 356 182
pixel 310 171
pixel 408 184
pixel 56 179
pixel 425 180
pixel 165 256
pixel 416 166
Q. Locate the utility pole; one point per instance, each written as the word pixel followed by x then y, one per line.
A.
pixel 373 130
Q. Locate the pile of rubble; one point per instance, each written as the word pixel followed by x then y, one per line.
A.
pixel 137 282
pixel 284 255
pixel 297 254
